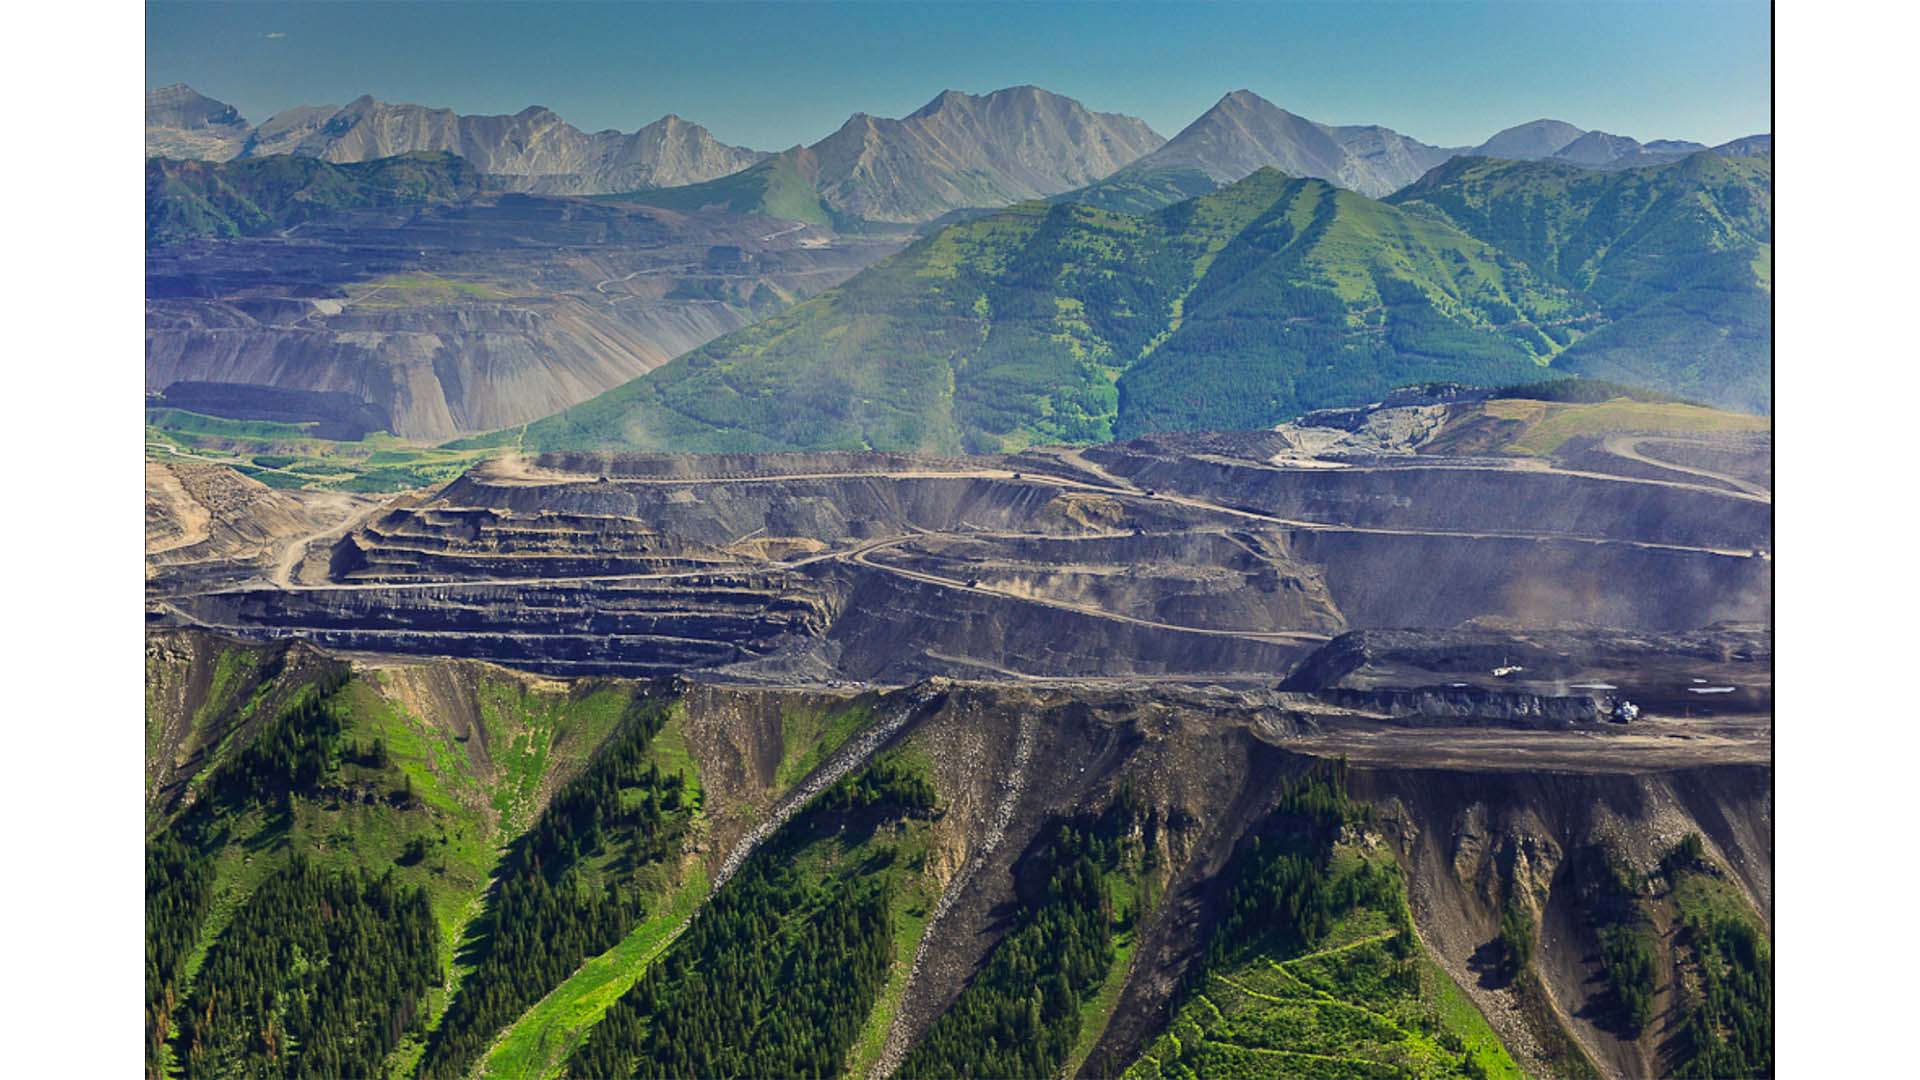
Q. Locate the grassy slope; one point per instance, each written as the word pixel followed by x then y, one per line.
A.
pixel 1135 891
pixel 828 851
pixel 537 1044
pixel 1550 424
pixel 1327 297
pixel 1347 1008
pixel 1031 325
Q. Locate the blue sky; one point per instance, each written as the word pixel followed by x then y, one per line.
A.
pixel 770 75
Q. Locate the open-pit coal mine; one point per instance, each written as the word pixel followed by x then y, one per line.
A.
pixel 1134 560
pixel 1513 713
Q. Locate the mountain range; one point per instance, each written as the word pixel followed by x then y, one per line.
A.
pixel 1233 276
pixel 532 150
pixel 957 152
pixel 1244 132
pixel 1271 297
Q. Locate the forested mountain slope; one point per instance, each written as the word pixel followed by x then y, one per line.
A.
pixel 1243 308
pixel 445 869
pixel 1678 260
pixel 189 200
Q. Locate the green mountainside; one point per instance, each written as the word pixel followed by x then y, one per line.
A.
pixel 1143 189
pixel 1063 323
pixel 1238 309
pixel 189 200
pixel 1677 258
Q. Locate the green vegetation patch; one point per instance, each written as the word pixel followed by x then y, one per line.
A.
pixel 318 975
pixel 777 973
pixel 1613 896
pixel 809 735
pixel 307 805
pixel 189 200
pixel 283 455
pixel 1315 969
pixel 1024 1013
pixel 1724 964
pixel 1548 425
pixel 573 886
pixel 539 1043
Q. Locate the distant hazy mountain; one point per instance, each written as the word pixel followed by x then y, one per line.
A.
pixel 959 151
pixel 1748 146
pixel 182 123
pixel 1244 132
pixel 532 150
pixel 1529 141
pixel 1597 148
pixel 1556 140
pixel 1674 146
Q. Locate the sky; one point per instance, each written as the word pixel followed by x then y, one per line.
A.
pixel 772 75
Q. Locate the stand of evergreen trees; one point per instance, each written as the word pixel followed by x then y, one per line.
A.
pixel 318 975
pixel 1516 938
pixel 1020 1015
pixel 292 752
pixel 1285 897
pixel 778 971
pixel 1629 951
pixel 179 889
pixel 1729 1023
pixel 567 890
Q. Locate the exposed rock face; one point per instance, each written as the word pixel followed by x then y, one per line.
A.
pixel 532 150
pixel 962 150
pixel 183 123
pixel 1469 840
pixel 1244 133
